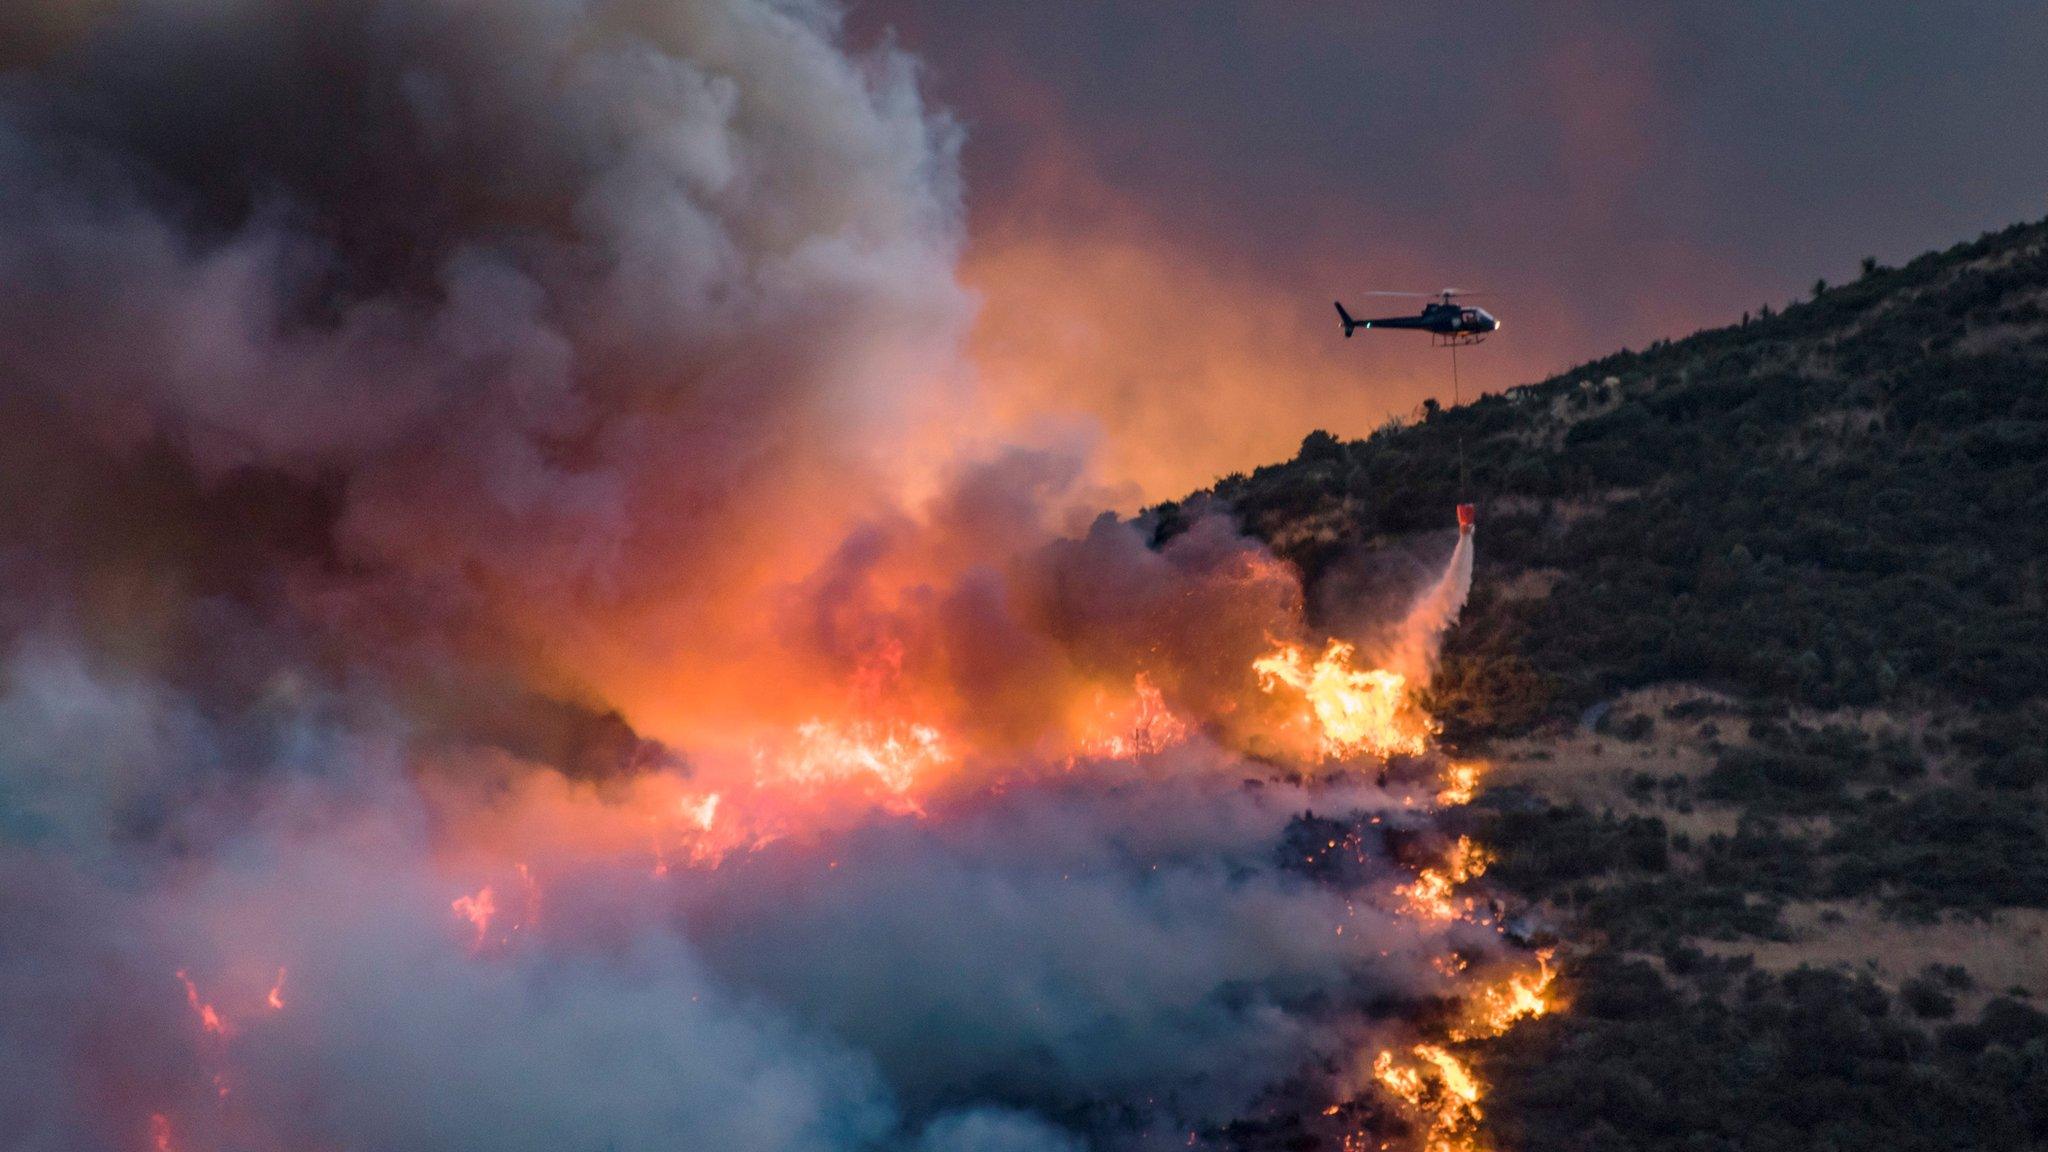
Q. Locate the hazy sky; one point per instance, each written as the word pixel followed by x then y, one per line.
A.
pixel 1609 172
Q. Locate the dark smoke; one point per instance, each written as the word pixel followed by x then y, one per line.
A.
pixel 447 326
pixel 420 421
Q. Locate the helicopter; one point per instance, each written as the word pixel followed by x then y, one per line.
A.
pixel 1447 322
pixel 1450 325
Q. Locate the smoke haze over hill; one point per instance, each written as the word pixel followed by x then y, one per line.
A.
pixel 520 633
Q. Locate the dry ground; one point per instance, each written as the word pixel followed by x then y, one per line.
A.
pixel 2004 953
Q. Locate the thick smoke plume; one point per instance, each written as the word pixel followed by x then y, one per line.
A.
pixel 506 646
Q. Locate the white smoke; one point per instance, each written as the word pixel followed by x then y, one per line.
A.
pixel 1419 637
pixel 1117 951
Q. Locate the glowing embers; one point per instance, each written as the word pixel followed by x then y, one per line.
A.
pixel 1141 726
pixel 1438 1092
pixel 1353 711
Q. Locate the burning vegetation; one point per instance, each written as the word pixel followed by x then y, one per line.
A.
pixel 494 601
pixel 1353 711
pixel 1759 653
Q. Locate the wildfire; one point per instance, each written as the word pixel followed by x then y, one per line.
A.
pixel 1355 711
pixel 701 811
pixel 1431 895
pixel 814 775
pixel 160 1132
pixel 1498 1007
pixel 702 814
pixel 481 909
pixel 708 836
pixel 530 909
pixel 1437 1088
pixel 478 909
pixel 275 998
pixel 1460 783
pixel 1431 1084
pixel 1146 727
pixel 210 1020
pixel 891 756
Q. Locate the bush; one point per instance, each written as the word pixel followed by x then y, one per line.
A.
pixel 1809 1059
pixel 1926 1000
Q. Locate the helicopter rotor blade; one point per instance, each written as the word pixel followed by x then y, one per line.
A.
pixel 1441 292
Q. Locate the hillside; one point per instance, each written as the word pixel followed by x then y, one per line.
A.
pixel 1757 642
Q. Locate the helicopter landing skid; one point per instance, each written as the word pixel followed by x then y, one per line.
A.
pixel 1461 340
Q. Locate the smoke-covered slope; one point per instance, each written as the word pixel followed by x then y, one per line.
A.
pixel 1757 636
pixel 518 631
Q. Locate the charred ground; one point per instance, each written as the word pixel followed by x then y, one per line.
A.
pixel 1757 640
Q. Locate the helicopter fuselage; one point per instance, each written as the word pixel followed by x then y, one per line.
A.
pixel 1442 319
pixel 1446 319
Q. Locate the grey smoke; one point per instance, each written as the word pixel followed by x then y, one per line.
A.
pixel 377 382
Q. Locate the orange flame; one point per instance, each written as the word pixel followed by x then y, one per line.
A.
pixel 1498 1007
pixel 160 1132
pixel 1433 1086
pixel 701 811
pixel 1353 711
pixel 210 1021
pixel 1144 728
pixel 478 909
pixel 893 757
pixel 276 996
pixel 1431 895
pixel 817 773
pixel 1460 783
pixel 1440 1091
pixel 699 814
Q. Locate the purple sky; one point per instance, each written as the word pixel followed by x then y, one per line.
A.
pixel 1611 172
